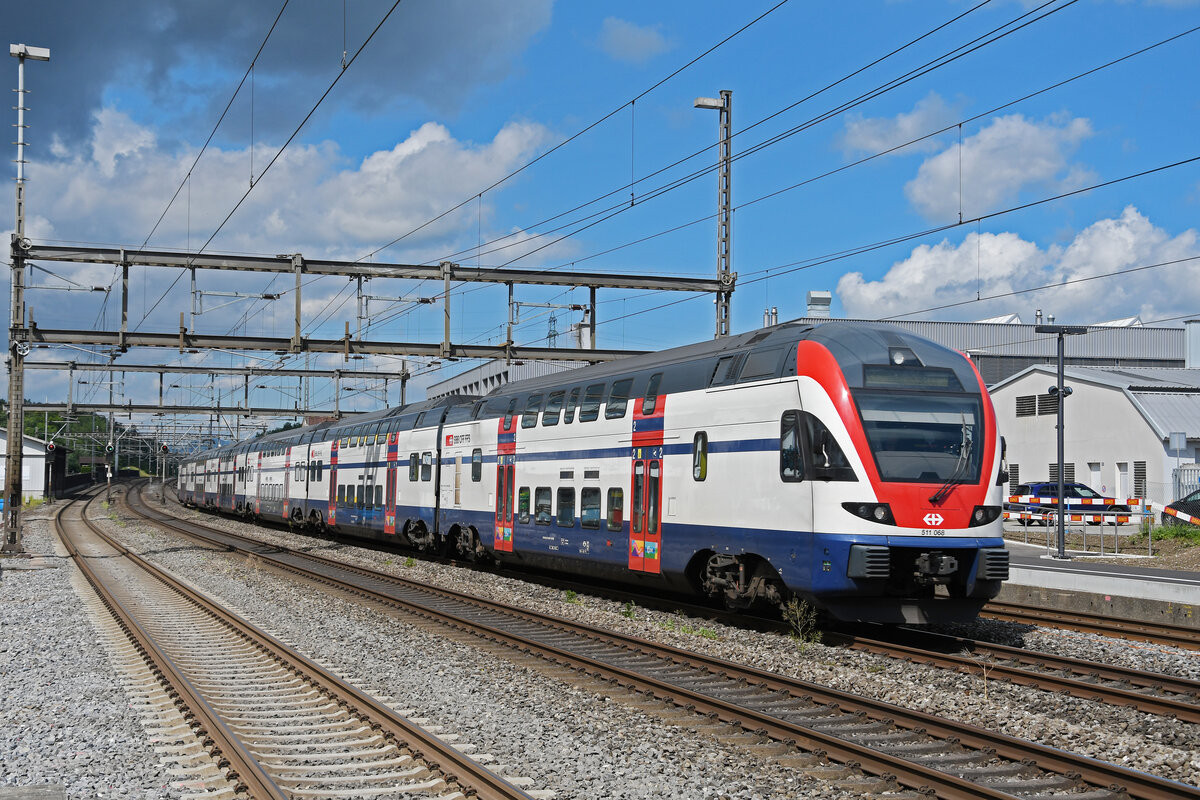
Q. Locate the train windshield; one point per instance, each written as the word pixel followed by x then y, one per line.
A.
pixel 923 437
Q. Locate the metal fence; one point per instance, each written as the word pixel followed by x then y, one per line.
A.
pixel 1185 480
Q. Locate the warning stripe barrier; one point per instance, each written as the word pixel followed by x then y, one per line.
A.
pixel 1030 499
pixel 1051 516
pixel 1180 515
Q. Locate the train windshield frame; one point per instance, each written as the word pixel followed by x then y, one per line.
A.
pixel 923 437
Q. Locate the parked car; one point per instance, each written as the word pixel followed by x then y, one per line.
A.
pixel 1071 491
pixel 1189 505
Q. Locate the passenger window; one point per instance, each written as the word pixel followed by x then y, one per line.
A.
pixel 553 407
pixel 341 494
pixel 789 362
pixel 508 414
pixel 572 401
pixel 725 371
pixel 618 399
pixel 652 498
pixel 523 505
pixel 650 401
pixel 639 483
pixel 358 499
pixel 589 507
pixel 761 364
pixel 700 456
pixel 426 466
pixel 379 497
pixel 476 465
pixel 541 505
pixel 532 407
pixel 791 466
pixel 412 466
pixel 566 508
pixel 590 408
pixel 616 508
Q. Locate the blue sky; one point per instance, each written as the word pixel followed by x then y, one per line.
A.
pixel 450 97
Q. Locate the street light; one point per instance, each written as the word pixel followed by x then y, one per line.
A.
pixel 725 276
pixel 1061 392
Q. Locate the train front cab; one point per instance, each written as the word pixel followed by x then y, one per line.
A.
pixel 917 538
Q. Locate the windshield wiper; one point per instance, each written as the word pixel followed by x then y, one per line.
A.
pixel 964 457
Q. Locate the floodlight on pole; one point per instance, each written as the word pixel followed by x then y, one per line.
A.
pixel 725 275
pixel 1061 392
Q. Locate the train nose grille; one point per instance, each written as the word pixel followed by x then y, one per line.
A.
pixel 993 564
pixel 869 561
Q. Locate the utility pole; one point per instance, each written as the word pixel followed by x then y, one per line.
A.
pixel 725 274
pixel 1061 392
pixel 18 341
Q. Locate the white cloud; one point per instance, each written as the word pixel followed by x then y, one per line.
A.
pixel 994 264
pixel 876 134
pixel 1009 154
pixel 633 44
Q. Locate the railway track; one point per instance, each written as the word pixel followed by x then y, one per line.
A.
pixel 866 743
pixel 273 723
pixel 1156 633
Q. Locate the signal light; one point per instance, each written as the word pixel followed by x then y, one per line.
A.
pixel 108 448
pixel 164 449
pixel 49 447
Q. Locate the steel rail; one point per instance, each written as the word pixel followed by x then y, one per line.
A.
pixel 1025 676
pixel 456 767
pixel 1085 622
pixel 243 766
pixel 912 774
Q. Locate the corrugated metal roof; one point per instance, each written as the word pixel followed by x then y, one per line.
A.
pixel 1171 412
pixel 1140 378
pixel 1022 340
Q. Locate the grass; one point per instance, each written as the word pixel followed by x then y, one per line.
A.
pixel 410 562
pixel 572 597
pixel 629 611
pixel 704 633
pixel 1188 534
pixel 802 619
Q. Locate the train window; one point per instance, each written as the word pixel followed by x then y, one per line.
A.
pixel 541 505
pixel 789 362
pixel 828 461
pixel 346 441
pixel 508 413
pixel 572 401
pixel 650 401
pixel 321 470
pixel 412 466
pixel 532 406
pixel 566 507
pixel 616 508
pixel 426 466
pixel 381 438
pixel 476 465
pixel 475 409
pixel 700 456
pixel 358 496
pixel 652 497
pixel 379 497
pixel 791 465
pixel 725 371
pixel 341 495
pixel 761 364
pixel 523 505
pixel 421 419
pixel 589 409
pixel 554 405
pixel 589 507
pixel 618 399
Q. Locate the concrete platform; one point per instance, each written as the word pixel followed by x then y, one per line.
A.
pixel 1083 584
pixel 41 792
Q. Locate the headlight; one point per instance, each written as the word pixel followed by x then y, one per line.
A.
pixel 873 512
pixel 982 515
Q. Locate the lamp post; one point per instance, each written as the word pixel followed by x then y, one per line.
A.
pixel 1062 392
pixel 725 276
pixel 18 341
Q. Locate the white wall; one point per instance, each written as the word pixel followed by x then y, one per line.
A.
pixel 33 467
pixel 1101 426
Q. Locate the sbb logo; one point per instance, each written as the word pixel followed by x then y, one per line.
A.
pixel 933 520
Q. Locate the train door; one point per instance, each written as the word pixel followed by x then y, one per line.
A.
pixel 389 496
pixel 645 515
pixel 645 491
pixel 258 485
pixel 333 481
pixel 506 449
pixel 287 483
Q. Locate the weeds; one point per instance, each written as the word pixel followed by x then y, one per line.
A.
pixel 410 562
pixel 672 625
pixel 572 597
pixel 801 617
pixel 629 611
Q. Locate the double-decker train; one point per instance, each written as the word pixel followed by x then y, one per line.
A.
pixel 855 466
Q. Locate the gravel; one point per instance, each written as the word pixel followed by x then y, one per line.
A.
pixel 570 739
